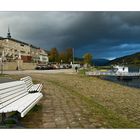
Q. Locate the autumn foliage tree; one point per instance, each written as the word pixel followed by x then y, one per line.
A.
pixel 54 55
pixel 62 57
pixel 69 54
pixel 87 59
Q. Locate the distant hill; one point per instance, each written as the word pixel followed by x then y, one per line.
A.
pixel 100 62
pixel 133 59
pixel 96 62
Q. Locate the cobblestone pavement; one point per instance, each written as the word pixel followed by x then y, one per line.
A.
pixel 60 109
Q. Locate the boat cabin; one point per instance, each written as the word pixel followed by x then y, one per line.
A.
pixel 126 69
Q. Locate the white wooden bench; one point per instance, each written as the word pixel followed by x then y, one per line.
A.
pixel 14 96
pixel 30 86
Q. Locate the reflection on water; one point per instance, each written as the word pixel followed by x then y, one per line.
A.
pixel 134 82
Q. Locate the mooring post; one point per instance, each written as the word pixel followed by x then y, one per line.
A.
pixel 3 117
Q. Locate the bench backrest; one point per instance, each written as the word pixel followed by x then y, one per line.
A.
pixel 28 81
pixel 11 91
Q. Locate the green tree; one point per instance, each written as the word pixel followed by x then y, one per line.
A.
pixel 87 58
pixel 54 55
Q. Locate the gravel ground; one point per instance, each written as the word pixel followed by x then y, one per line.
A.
pixel 67 71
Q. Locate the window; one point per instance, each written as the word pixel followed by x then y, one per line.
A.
pixel 22 51
pixel 44 58
pixel 21 44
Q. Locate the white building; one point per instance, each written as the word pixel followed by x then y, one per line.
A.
pixel 42 56
pixel 12 48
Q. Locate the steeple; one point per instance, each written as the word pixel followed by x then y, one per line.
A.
pixel 8 34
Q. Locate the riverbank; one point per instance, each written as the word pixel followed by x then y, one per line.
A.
pixel 77 101
pixel 132 82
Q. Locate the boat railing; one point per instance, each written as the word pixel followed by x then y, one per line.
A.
pixel 99 73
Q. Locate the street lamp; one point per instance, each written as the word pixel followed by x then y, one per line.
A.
pixel 1 62
pixel 19 58
pixel 1 65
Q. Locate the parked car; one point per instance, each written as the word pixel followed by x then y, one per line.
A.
pixel 65 66
pixel 45 67
pixel 38 68
pixel 51 66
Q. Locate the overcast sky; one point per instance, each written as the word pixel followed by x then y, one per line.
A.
pixel 104 34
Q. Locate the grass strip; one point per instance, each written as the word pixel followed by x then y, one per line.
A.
pixel 112 119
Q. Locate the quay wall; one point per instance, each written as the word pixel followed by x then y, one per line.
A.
pixel 20 64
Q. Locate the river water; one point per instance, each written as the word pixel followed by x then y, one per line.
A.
pixel 134 82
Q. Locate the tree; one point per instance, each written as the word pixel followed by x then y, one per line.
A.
pixel 66 56
pixel 87 59
pixel 62 57
pixel 54 55
pixel 69 54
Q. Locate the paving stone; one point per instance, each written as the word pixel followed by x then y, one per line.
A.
pixel 49 125
pixel 75 125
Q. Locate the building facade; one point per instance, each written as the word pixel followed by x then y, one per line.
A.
pixel 39 55
pixel 13 49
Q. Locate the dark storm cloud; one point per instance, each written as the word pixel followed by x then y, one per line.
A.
pixel 105 34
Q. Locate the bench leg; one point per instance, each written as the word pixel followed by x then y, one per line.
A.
pixel 3 117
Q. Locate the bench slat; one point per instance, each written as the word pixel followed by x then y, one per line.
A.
pixel 22 103
pixel 31 99
pixel 36 87
pixel 30 86
pixel 12 100
pixel 11 91
pixel 28 78
pixel 7 85
pixel 30 106
pixel 28 81
pixel 14 96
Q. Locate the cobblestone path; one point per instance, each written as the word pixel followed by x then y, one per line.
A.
pixel 60 109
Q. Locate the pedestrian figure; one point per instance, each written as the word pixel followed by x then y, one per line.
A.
pixel 17 68
pixel 76 68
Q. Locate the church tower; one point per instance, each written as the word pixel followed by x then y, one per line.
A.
pixel 8 34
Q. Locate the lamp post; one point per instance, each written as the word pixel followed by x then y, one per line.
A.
pixel 1 65
pixel 1 61
pixel 19 58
